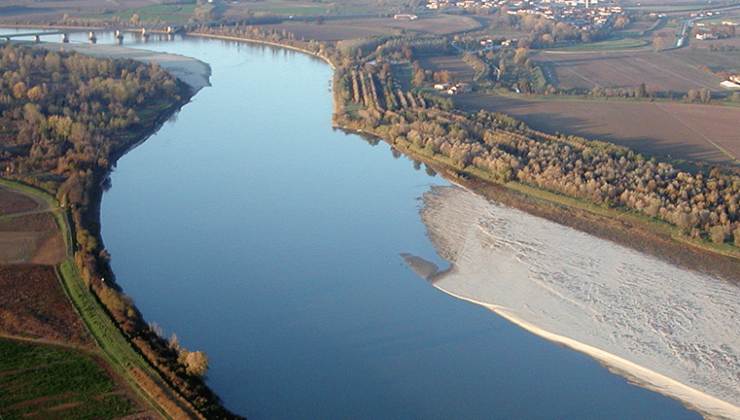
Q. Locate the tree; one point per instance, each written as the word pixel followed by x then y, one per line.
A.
pixel 660 42
pixel 705 95
pixel 419 77
pixel 195 362
pixel 692 95
pixel 642 91
pixel 520 56
pixel 19 90
pixel 442 76
pixel 621 22
pixel 35 94
pixel 718 234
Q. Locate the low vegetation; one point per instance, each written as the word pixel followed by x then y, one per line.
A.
pixel 46 381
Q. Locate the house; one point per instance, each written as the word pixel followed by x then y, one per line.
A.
pixel 459 88
pixel 463 88
pixel 706 36
pixel 442 86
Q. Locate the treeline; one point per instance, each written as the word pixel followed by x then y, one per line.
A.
pixel 260 33
pixel 373 88
pixel 502 149
pixel 64 120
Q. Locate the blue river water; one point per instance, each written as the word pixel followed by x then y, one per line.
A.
pixel 257 233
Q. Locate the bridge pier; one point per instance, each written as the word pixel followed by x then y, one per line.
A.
pixel 36 38
pixel 144 34
pixel 91 37
pixel 65 38
pixel 119 36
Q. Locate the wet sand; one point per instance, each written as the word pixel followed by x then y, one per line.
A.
pixel 668 329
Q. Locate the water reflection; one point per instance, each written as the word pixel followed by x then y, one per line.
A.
pixel 260 235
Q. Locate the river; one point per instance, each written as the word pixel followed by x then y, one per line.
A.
pixel 257 233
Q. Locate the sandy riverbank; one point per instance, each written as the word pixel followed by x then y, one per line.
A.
pixel 666 328
pixel 194 73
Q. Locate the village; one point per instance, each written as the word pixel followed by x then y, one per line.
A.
pixel 584 14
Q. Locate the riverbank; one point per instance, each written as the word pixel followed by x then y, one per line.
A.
pixel 190 71
pixel 326 59
pixel 660 326
pixel 627 228
pixel 112 346
pixel 632 230
pixel 640 375
pixel 130 346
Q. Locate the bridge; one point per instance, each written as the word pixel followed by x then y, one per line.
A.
pixel 36 35
pixel 64 34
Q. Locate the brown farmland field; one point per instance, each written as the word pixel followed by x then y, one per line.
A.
pixel 333 30
pixel 339 29
pixel 37 307
pixel 458 68
pixel 700 55
pixel 672 130
pixel 438 24
pixel 659 71
pixel 11 202
pixel 31 238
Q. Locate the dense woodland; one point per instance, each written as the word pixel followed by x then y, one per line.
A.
pixel 64 120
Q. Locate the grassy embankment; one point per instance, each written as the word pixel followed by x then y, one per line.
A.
pixel 114 347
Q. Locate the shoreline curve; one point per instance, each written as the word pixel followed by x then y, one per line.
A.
pixel 707 405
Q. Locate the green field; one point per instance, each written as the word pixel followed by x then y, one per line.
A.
pixel 668 8
pixel 44 381
pixel 170 13
pixel 288 10
pixel 608 45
